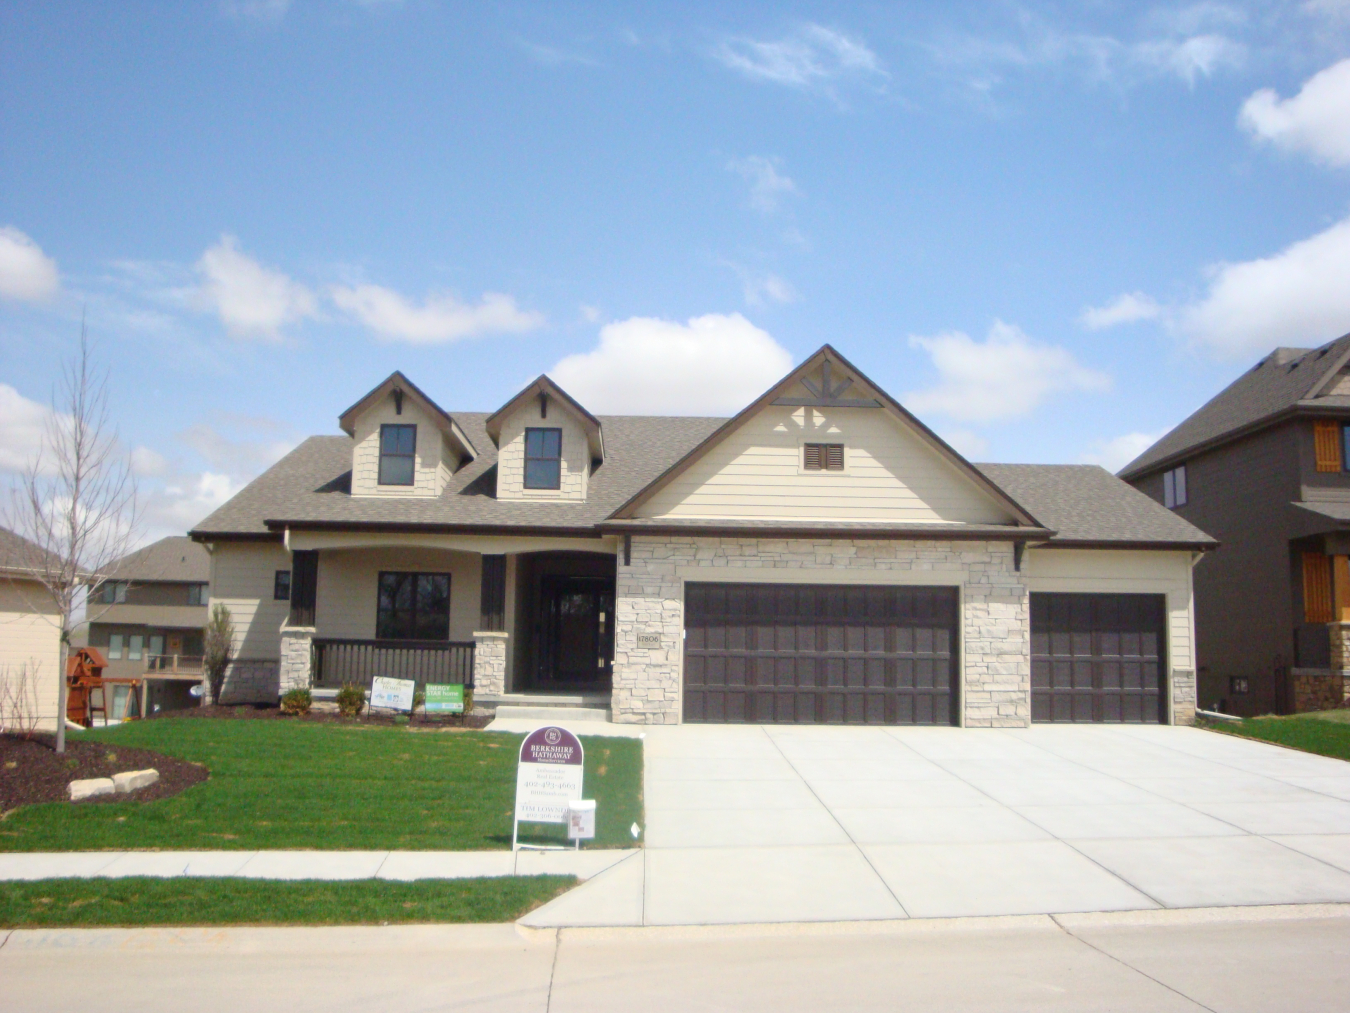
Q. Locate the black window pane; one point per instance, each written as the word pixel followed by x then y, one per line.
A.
pixel 281 588
pixel 542 474
pixel 396 471
pixel 552 443
pixel 398 439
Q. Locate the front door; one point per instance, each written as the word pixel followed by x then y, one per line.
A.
pixel 578 633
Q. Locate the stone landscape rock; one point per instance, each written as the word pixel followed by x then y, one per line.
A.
pixel 89 787
pixel 130 780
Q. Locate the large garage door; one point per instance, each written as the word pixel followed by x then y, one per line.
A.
pixel 1098 657
pixel 820 653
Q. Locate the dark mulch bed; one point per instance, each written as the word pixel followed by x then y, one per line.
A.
pixel 32 771
pixel 266 713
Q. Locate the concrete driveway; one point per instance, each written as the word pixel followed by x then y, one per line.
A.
pixel 795 824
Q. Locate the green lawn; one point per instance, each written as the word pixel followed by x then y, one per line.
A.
pixel 284 784
pixel 49 903
pixel 1325 732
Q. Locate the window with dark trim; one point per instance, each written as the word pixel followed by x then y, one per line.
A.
pixel 199 594
pixel 1174 487
pixel 823 456
pixel 398 453
pixel 413 606
pixel 543 458
pixel 281 586
pixel 112 592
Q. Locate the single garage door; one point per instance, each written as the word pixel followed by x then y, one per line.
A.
pixel 1098 657
pixel 820 653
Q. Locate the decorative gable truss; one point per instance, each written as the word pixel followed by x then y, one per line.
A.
pixel 404 444
pixel 828 447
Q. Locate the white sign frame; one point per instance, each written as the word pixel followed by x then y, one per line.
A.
pixel 550 772
pixel 392 694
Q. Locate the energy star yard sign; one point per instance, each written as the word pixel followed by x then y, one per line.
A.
pixel 548 776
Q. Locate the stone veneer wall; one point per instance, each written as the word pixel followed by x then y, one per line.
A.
pixel 297 658
pixel 995 656
pixel 1183 696
pixel 250 681
pixel 489 663
pixel 1317 690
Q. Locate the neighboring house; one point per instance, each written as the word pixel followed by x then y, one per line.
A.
pixel 821 557
pixel 148 613
pixel 30 633
pixel 1263 467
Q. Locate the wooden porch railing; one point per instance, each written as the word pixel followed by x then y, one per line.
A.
pixel 336 662
pixel 173 664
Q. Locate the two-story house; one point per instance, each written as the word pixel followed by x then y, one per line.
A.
pixel 1264 467
pixel 149 610
pixel 822 556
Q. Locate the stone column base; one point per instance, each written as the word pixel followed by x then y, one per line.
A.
pixel 1183 696
pixel 1317 689
pixel 297 659
pixel 489 662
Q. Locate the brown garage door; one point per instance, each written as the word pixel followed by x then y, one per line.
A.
pixel 820 653
pixel 1098 657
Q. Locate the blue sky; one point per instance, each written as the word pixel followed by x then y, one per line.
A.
pixel 1052 230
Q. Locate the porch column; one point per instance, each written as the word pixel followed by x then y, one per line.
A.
pixel 296 658
pixel 489 663
pixel 1183 696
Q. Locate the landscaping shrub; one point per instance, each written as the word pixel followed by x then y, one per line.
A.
pixel 350 700
pixel 297 701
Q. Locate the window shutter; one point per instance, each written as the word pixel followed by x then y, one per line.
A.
pixel 1327 445
pixel 1316 588
pixel 813 462
pixel 834 456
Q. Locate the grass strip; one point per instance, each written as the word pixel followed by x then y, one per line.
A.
pixel 282 785
pixel 1327 736
pixel 147 901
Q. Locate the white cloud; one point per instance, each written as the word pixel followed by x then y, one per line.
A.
pixel 26 273
pixel 810 57
pixel 1115 453
pixel 763 289
pixel 964 442
pixel 240 458
pixel 1192 58
pixel 147 463
pixel 1299 296
pixel 23 428
pixel 767 184
pixel 1315 122
pixel 441 317
pixel 1005 376
pixel 176 507
pixel 1124 309
pixel 591 314
pixel 252 300
pixel 712 365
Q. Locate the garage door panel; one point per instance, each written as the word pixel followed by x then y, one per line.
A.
pixel 1098 657
pixel 822 653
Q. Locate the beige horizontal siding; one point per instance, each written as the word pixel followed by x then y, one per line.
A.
pixel 242 578
pixel 891 474
pixel 349 588
pixel 30 638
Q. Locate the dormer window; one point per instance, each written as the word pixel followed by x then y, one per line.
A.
pixel 398 452
pixel 543 458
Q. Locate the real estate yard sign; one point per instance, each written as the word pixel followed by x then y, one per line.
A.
pixel 548 776
pixel 396 694
pixel 444 698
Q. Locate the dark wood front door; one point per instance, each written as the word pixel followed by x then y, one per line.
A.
pixel 578 633
pixel 1098 657
pixel 820 653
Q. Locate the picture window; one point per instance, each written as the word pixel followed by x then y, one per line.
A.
pixel 413 606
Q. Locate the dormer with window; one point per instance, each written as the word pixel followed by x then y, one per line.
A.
pixel 404 444
pixel 547 445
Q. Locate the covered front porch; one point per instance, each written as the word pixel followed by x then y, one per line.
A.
pixel 501 615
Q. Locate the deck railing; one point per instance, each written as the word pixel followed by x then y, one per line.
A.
pixel 172 664
pixel 336 662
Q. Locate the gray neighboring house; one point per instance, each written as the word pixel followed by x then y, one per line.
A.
pixel 1264 467
pixel 823 556
pixel 149 612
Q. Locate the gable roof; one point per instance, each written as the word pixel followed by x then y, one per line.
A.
pixel 176 558
pixel 396 381
pixel 18 555
pixel 826 357
pixel 1287 382
pixel 595 438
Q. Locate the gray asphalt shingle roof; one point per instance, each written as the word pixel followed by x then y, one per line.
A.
pixel 311 485
pixel 176 558
pixel 1281 381
pixel 1086 503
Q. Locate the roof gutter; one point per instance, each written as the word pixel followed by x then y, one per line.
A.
pixel 1088 543
pixel 926 533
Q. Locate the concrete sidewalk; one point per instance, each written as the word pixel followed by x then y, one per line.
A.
pixel 396 865
pixel 787 823
pixel 1256 960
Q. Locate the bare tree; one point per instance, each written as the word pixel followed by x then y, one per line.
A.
pixel 76 504
pixel 218 650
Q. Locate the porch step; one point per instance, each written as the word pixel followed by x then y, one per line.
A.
pixel 552 700
pixel 561 715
